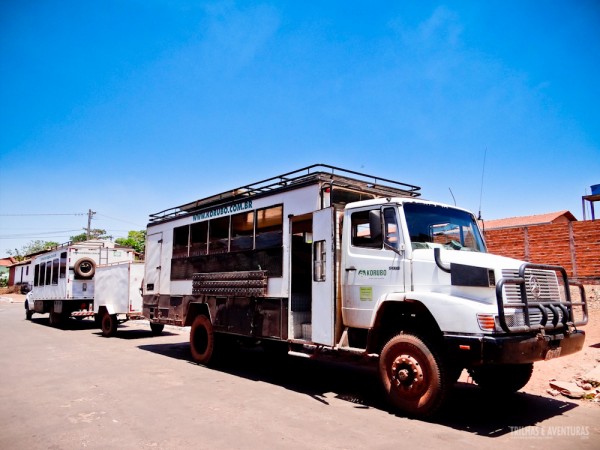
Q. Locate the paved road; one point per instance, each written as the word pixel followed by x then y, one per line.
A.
pixel 70 388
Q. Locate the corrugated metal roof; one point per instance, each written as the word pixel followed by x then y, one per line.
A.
pixel 523 221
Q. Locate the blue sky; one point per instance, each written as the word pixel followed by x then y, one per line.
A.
pixel 130 107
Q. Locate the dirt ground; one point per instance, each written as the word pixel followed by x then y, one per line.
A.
pixel 567 368
pixel 572 367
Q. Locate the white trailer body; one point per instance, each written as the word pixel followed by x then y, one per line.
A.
pixel 63 278
pixel 328 258
pixel 118 298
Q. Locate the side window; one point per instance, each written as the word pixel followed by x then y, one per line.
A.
pixel 180 241
pixel 242 231
pixel 363 230
pixel 36 275
pixel 218 235
pixel 55 265
pixel 391 230
pixel 42 274
pixel 199 238
pixel 269 227
pixel 48 273
pixel 63 265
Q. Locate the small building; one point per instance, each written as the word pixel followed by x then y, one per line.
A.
pixel 528 221
pixel 5 264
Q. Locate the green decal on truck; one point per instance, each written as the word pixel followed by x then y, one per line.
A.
pixel 366 293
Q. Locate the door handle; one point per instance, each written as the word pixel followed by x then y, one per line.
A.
pixel 348 269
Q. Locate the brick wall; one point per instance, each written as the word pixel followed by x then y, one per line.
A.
pixel 573 245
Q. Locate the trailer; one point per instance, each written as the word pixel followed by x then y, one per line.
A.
pixel 118 296
pixel 325 259
pixel 63 279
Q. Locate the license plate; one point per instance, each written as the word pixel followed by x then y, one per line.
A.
pixel 553 353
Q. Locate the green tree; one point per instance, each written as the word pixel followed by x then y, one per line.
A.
pixel 95 233
pixel 135 239
pixel 32 247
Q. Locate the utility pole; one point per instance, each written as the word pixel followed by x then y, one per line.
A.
pixel 89 227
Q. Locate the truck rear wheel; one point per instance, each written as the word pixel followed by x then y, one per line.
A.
pixel 202 340
pixel 157 328
pixel 109 324
pixel 502 379
pixel 55 319
pixel 412 375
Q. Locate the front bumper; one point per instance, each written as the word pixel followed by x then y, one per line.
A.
pixel 511 349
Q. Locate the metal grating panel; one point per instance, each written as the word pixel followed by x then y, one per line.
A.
pixel 246 284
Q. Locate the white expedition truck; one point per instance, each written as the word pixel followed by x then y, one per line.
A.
pixel 63 279
pixel 329 259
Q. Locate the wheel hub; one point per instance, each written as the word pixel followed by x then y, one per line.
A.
pixel 407 373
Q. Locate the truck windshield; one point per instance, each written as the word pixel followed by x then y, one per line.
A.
pixel 440 226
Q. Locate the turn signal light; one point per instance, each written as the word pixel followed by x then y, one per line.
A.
pixel 487 322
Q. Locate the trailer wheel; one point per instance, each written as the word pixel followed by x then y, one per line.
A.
pixel 109 324
pixel 157 328
pixel 85 268
pixel 502 379
pixel 413 376
pixel 202 340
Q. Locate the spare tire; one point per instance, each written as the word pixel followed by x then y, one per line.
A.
pixel 85 268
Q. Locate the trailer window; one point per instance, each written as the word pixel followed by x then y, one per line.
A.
pixel 199 239
pixel 218 235
pixel 63 265
pixel 36 275
pixel 242 231
pixel 269 227
pixel 180 241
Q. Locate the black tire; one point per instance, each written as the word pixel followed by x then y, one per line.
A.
pixel 85 268
pixel 202 340
pixel 502 379
pixel 157 328
pixel 413 376
pixel 28 312
pixel 109 324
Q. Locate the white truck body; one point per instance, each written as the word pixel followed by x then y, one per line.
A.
pixel 329 258
pixel 63 280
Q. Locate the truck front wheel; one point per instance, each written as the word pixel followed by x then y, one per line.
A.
pixel 109 324
pixel 28 312
pixel 202 340
pixel 412 375
pixel 502 379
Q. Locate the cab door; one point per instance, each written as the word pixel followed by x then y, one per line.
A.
pixel 372 262
pixel 323 282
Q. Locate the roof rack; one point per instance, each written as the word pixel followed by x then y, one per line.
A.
pixel 337 176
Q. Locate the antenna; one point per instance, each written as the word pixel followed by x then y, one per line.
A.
pixel 481 189
pixel 452 196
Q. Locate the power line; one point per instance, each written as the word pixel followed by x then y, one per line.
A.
pixel 43 214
